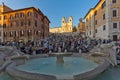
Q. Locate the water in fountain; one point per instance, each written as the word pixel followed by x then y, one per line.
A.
pixel 71 66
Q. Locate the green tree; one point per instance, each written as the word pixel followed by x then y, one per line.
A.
pixel 74 29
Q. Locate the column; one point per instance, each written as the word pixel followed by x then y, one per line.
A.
pixel 108 19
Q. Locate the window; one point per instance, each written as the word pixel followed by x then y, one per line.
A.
pixel 4 25
pixel 16 34
pixel 114 13
pixel 35 23
pixel 115 25
pixel 87 20
pixel 115 37
pixel 95 13
pixel 96 22
pixel 16 15
pixel 5 17
pixel 96 30
pixel 36 32
pixel 5 34
pixel 21 14
pixel 17 23
pixel 35 15
pixel 11 34
pixel 22 33
pixel 104 27
pixel 11 17
pixel 11 24
pixel 29 23
pixel 103 5
pixel 29 14
pixel 0 17
pixel 22 23
pixel 0 33
pixel 103 16
pixel 29 32
pixel 113 1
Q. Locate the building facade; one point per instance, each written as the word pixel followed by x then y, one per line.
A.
pixel 65 27
pixel 81 26
pixel 103 21
pixel 27 24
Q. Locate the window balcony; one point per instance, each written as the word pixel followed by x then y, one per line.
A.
pixel 115 31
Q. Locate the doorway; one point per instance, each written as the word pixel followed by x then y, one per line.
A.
pixel 115 37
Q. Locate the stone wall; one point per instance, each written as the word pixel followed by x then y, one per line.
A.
pixel 22 75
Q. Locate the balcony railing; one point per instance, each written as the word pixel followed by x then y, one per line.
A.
pixel 116 31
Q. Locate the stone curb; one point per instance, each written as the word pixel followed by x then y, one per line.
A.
pixel 90 74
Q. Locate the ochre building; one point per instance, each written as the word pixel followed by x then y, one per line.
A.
pixel 81 26
pixel 22 24
pixel 66 26
pixel 103 21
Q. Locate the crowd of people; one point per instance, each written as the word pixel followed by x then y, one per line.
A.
pixel 117 47
pixel 58 43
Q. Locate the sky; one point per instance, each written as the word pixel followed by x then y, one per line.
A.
pixel 56 9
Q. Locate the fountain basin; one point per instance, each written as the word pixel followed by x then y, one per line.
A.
pixel 47 68
pixel 44 67
pixel 112 73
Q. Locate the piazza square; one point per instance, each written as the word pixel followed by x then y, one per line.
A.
pixel 60 40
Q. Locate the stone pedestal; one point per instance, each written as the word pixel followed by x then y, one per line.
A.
pixel 60 59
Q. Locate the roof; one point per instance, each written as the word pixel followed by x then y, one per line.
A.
pixel 88 12
pixel 47 18
pixel 92 8
pixel 23 9
pixel 55 27
pixel 36 9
